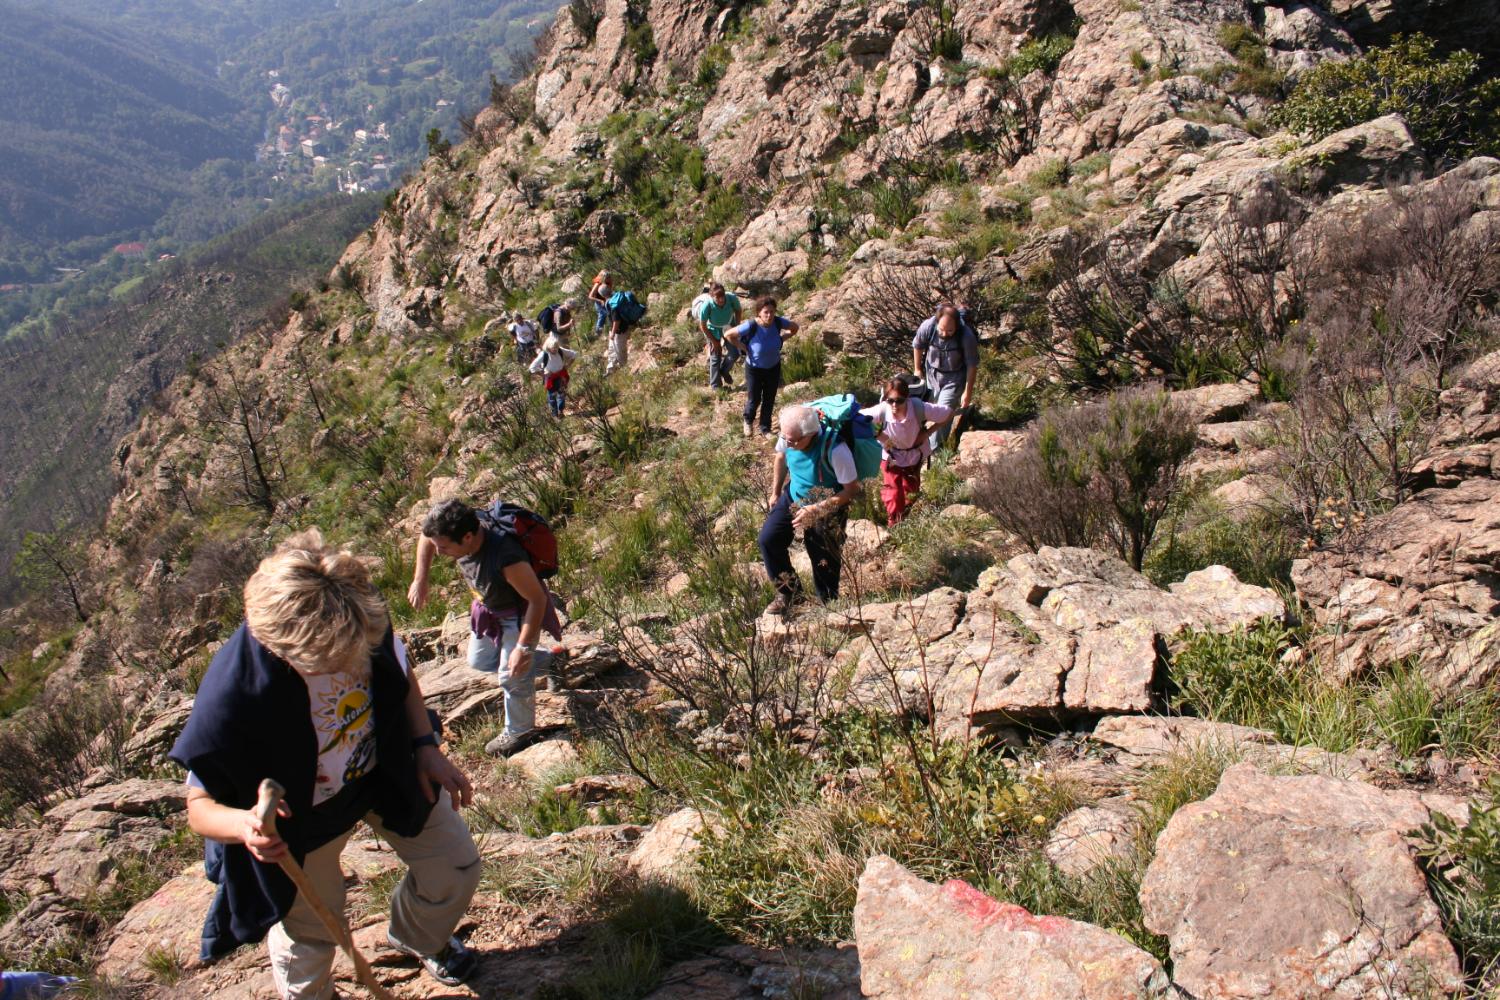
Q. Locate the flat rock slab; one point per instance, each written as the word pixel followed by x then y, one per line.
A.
pixel 1298 887
pixel 168 923
pixel 669 846
pixel 1141 741
pixel 919 941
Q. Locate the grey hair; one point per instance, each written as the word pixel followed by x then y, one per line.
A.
pixel 802 419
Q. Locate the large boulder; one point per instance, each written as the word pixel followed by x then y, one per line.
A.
pixel 1055 633
pixel 919 941
pixel 167 923
pixel 1298 887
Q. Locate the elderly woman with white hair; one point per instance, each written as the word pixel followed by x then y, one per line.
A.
pixel 813 483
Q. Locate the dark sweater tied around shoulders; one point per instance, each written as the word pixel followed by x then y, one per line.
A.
pixel 252 720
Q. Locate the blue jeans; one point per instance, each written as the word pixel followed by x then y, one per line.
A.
pixel 722 364
pixel 947 395
pixel 557 399
pixel 825 549
pixel 520 692
pixel 601 317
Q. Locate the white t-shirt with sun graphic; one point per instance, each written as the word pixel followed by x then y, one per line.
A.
pixel 344 720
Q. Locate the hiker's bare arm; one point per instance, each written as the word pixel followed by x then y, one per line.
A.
pixel 778 480
pixel 733 336
pixel 523 580
pixel 210 818
pixel 791 328
pixel 916 361
pixel 434 771
pixel 416 594
pixel 968 395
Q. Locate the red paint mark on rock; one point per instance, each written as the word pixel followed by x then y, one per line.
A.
pixel 987 911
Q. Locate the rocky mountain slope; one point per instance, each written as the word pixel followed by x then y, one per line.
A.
pixel 1241 768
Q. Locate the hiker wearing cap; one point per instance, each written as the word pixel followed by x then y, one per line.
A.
pixel 314 691
pixel 945 355
pixel 599 293
pixel 717 311
pixel 525 333
pixel 814 480
pixel 903 428
pixel 552 364
pixel 511 607
pixel 760 340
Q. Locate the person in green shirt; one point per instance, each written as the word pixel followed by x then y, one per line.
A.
pixel 716 311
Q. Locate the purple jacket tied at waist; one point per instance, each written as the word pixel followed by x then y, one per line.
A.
pixel 489 624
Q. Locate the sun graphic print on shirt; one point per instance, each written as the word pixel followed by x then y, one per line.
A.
pixel 344 719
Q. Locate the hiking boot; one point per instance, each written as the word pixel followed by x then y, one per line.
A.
pixel 504 746
pixel 451 966
pixel 781 607
pixel 748 429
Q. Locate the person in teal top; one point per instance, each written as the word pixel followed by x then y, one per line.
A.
pixel 716 312
pixel 813 483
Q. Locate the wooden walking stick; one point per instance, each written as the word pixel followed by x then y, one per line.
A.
pixel 271 793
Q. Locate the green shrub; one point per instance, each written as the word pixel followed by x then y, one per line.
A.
pixel 1044 53
pixel 805 360
pixel 1451 108
pixel 586 15
pixel 1109 468
pixel 1463 871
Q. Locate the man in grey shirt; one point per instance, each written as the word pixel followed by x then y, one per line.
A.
pixel 945 354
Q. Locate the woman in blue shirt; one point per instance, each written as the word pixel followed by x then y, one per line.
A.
pixel 760 339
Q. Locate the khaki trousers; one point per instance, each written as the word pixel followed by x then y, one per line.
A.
pixel 442 872
pixel 617 354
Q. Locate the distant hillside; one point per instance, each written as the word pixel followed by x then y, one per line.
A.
pixel 66 400
pixel 101 131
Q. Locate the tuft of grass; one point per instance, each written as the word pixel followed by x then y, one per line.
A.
pixel 1240 677
pixel 164 964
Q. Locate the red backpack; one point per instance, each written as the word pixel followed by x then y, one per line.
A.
pixel 528 528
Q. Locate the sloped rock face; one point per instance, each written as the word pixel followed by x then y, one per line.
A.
pixel 919 941
pixel 1054 633
pixel 1298 887
pixel 1424 579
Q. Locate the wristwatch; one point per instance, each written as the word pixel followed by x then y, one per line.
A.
pixel 430 740
pixel 525 648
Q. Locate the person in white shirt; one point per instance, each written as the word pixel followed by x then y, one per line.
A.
pixel 814 480
pixel 904 426
pixel 525 333
pixel 553 363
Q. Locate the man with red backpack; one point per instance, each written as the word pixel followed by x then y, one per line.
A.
pixel 502 553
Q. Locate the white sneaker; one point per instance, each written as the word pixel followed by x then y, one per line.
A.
pixel 748 429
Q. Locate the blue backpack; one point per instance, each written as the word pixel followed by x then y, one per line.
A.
pixel 625 307
pixel 841 415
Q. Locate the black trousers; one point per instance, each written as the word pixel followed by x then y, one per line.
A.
pixel 760 393
pixel 825 548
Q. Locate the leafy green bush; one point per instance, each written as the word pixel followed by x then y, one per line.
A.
pixel 1107 468
pixel 1451 108
pixel 1044 53
pixel 1463 871
pixel 585 15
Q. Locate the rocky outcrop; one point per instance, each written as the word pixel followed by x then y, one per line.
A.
pixel 1421 581
pixel 669 846
pixel 1055 633
pixel 919 941
pixel 1298 887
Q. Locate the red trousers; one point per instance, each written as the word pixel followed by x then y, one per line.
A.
pixel 898 488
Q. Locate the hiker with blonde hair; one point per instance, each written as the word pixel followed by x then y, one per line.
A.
pixel 552 364
pixel 599 293
pixel 314 691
